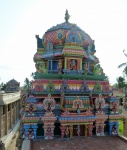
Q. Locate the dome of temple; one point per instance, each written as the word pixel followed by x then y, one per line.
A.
pixel 58 34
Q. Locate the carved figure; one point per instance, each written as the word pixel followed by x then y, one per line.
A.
pixel 59 67
pixel 100 130
pixel 49 46
pixel 99 104
pixel 97 69
pixel 30 134
pixel 40 66
pixel 78 130
pixel 85 66
pixel 67 132
pixel 90 128
pixel 78 109
pixel 114 107
pixel 49 133
pixel 114 131
pixel 49 110
pixel 31 108
pixel 73 64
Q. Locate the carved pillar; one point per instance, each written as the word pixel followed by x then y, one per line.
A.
pixel 65 63
pixel 26 127
pixel 71 131
pixel 90 128
pixel 11 115
pixel 125 127
pixel 1 114
pixel 78 65
pixel 85 130
pixel 63 131
pixel 34 126
pixel 68 65
pixel 110 127
pixel 6 119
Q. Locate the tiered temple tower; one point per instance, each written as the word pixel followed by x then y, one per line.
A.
pixel 70 95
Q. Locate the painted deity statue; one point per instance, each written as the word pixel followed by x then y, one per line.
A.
pixel 49 110
pixel 31 109
pixel 40 66
pixel 78 130
pixel 114 131
pixel 78 109
pixel 85 68
pixel 67 132
pixel 30 134
pixel 114 107
pixel 73 64
pixel 100 130
pixel 97 69
pixel 49 133
pixel 59 67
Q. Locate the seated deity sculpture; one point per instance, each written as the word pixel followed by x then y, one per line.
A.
pixel 31 109
pixel 73 64
pixel 114 131
pixel 85 66
pixel 100 130
pixel 49 110
pixel 30 134
pixel 114 108
pixel 48 133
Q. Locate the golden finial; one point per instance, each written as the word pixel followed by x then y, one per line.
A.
pixel 67 16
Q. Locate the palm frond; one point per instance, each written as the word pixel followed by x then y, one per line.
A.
pixel 124 53
pixel 123 64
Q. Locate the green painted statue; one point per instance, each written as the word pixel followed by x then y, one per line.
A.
pixel 97 69
pixel 40 66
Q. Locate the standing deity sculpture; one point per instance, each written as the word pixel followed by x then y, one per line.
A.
pixel 67 132
pixel 85 68
pixel 73 64
pixel 78 130
pixel 59 67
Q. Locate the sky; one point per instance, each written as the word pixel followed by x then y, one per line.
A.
pixel 20 20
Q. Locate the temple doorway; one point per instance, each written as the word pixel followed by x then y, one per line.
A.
pixel 57 130
pixel 82 130
pixel 40 130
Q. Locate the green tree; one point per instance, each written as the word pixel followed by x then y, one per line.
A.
pixel 124 65
pixel 121 82
pixel 27 85
pixel 3 86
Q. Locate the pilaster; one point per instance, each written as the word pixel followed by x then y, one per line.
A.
pixel 6 119
pixel 1 114
pixel 71 131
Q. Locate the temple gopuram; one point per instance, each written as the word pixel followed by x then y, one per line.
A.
pixel 70 94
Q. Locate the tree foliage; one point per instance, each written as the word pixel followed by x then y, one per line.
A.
pixel 124 65
pixel 27 85
pixel 3 86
